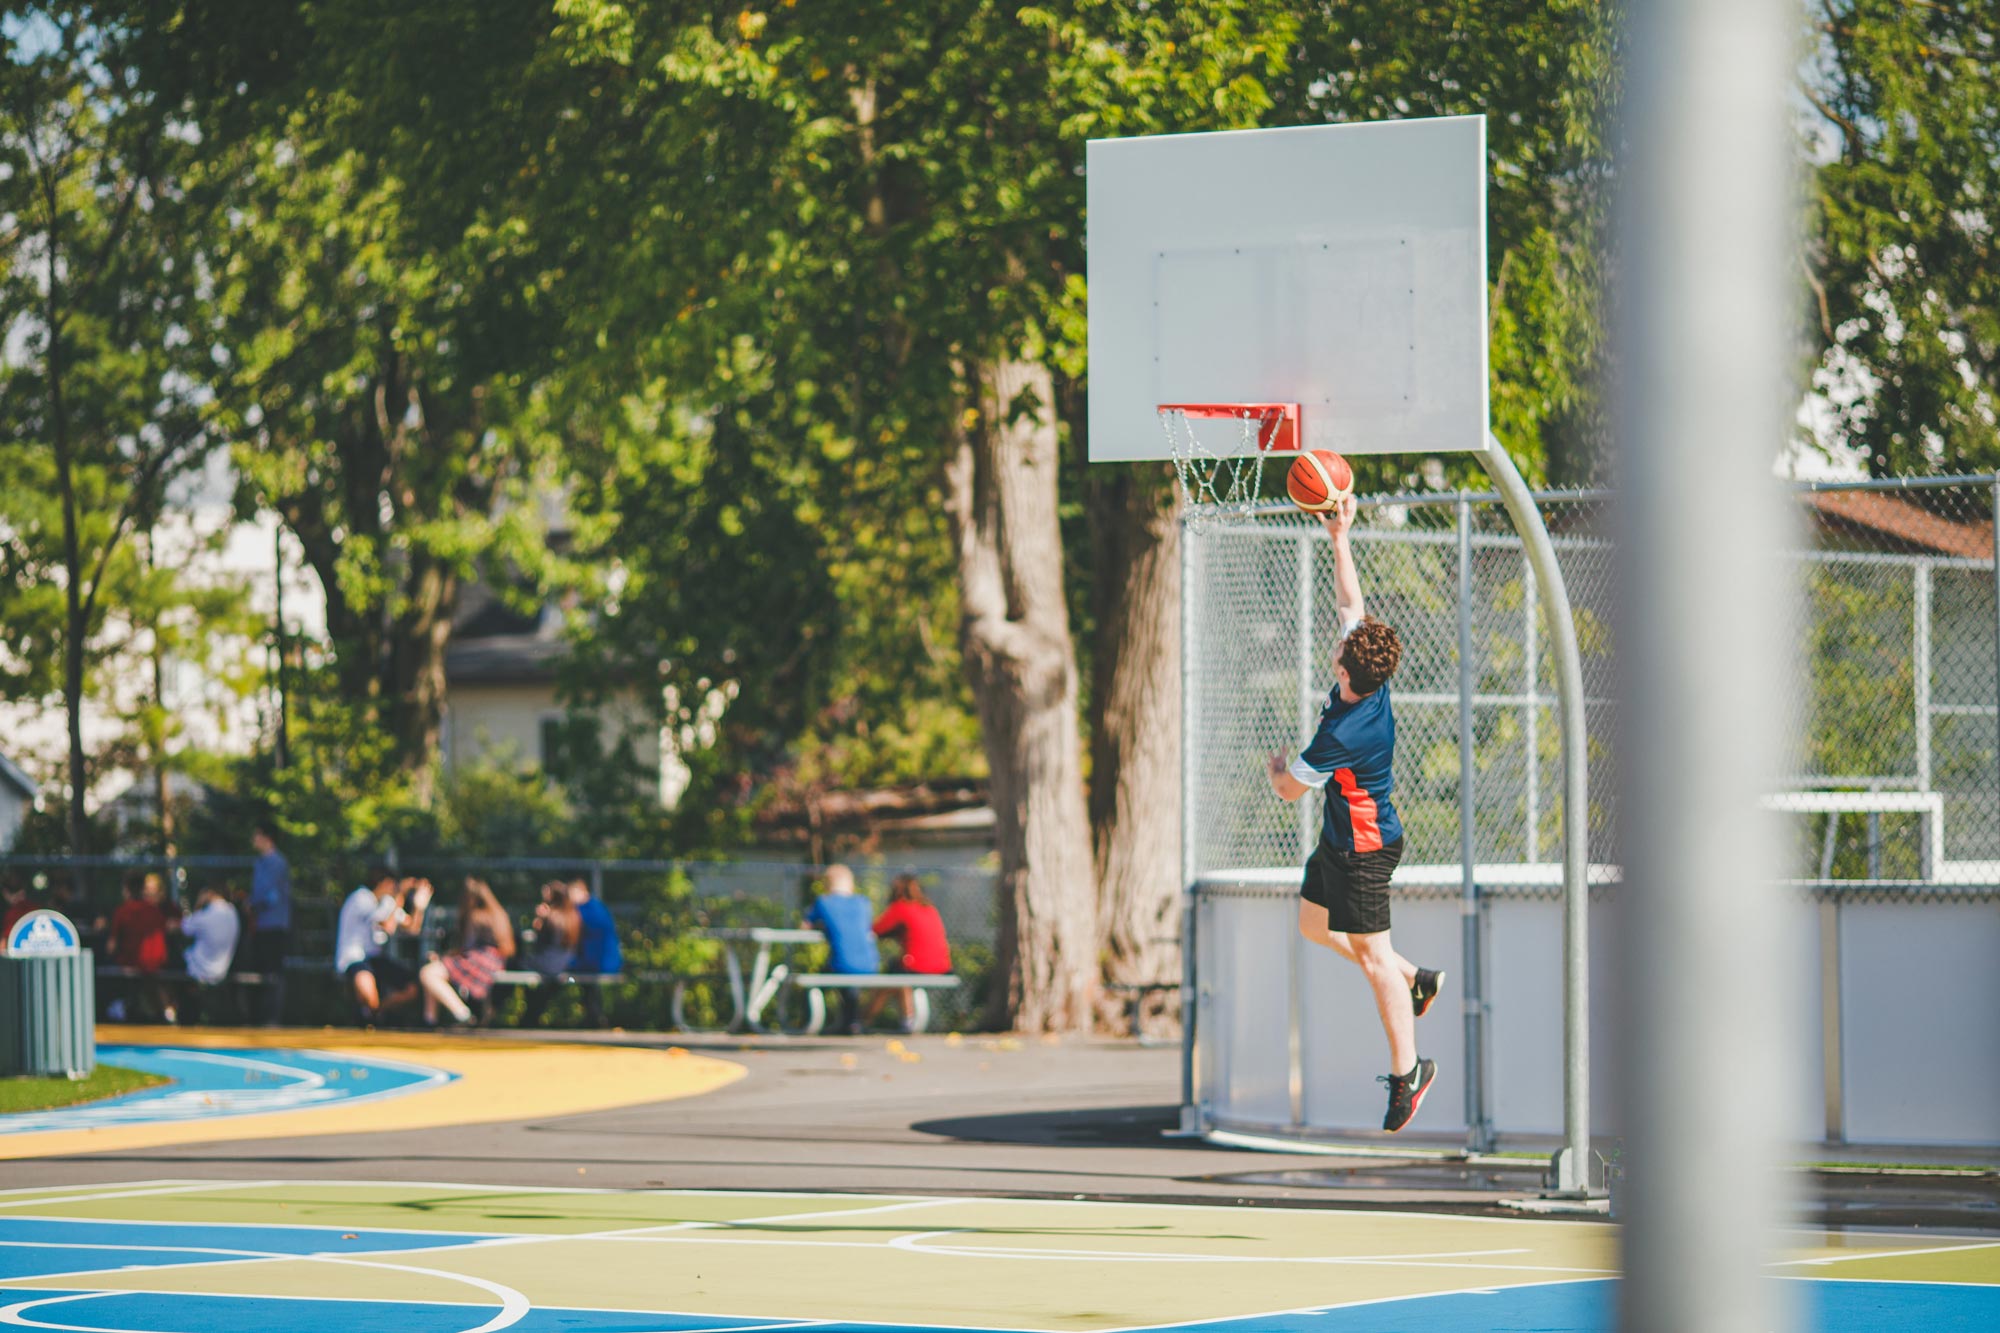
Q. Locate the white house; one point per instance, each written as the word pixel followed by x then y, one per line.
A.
pixel 17 795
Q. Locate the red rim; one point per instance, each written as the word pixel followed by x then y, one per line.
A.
pixel 1278 424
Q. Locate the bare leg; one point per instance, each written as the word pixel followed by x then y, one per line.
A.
pixel 873 1006
pixel 1392 998
pixel 1312 925
pixel 365 993
pixel 400 998
pixel 436 983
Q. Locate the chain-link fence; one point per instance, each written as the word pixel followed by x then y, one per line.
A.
pixel 1894 711
pixel 664 912
pixel 1895 802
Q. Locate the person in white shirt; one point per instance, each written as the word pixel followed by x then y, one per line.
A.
pixel 212 929
pixel 367 919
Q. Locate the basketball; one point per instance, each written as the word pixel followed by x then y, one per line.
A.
pixel 1318 480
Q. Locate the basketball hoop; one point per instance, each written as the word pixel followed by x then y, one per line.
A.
pixel 1216 486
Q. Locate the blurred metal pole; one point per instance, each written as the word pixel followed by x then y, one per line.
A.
pixel 1996 637
pixel 1190 979
pixel 1705 350
pixel 1575 1168
pixel 1478 1132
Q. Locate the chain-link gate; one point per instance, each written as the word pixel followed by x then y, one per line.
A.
pixel 1896 805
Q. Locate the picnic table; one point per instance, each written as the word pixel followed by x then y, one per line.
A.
pixel 770 975
pixel 751 992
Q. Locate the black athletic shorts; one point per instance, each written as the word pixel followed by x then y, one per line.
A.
pixel 389 974
pixel 1353 887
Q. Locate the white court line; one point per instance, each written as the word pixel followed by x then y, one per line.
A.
pixel 194 1187
pixel 513 1305
pixel 468 1237
pixel 128 1184
pixel 913 1245
pixel 1370 1213
pixel 726 1223
pixel 1888 1254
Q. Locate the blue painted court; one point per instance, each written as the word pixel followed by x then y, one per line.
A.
pixel 208 1083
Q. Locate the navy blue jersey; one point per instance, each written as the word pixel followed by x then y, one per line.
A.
pixel 1350 756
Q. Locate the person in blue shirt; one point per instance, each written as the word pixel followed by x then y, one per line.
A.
pixel 848 922
pixel 596 946
pixel 1344 901
pixel 271 913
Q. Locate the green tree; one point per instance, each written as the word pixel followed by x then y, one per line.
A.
pixel 102 278
pixel 374 373
pixel 1904 274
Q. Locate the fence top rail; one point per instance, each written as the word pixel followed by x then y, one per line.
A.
pixel 1601 494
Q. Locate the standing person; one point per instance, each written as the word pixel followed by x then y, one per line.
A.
pixel 915 924
pixel 557 929
pixel 485 943
pixel 597 948
pixel 212 931
pixel 1344 902
pixel 271 910
pixel 847 921
pixel 371 914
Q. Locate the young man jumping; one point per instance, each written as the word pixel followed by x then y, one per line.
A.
pixel 1344 902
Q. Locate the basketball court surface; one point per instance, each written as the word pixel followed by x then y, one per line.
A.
pixel 170 1256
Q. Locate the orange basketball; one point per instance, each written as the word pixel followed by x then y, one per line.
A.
pixel 1318 480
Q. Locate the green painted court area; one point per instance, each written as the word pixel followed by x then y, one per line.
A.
pixel 209 1257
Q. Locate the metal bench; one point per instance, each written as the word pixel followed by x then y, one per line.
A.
pixel 919 984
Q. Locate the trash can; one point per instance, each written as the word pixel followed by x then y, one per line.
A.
pixel 48 1000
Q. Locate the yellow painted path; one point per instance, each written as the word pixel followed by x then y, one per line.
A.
pixel 496 1081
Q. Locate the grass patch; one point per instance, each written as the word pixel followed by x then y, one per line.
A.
pixel 45 1094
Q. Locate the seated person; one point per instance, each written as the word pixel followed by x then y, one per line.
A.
pixel 17 903
pixel 371 914
pixel 916 926
pixel 845 918
pixel 137 937
pixel 464 976
pixel 557 929
pixel 212 930
pixel 597 948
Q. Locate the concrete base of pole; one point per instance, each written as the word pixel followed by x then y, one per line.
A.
pixel 1582 1177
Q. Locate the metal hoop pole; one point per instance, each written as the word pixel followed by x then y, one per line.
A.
pixel 1574 1168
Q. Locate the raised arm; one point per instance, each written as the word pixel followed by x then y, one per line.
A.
pixel 1346 582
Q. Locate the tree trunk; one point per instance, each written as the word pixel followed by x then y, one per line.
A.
pixel 1019 659
pixel 1135 770
pixel 418 639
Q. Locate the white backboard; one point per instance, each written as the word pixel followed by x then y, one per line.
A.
pixel 1341 267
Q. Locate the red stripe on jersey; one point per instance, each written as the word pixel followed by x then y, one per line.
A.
pixel 1360 811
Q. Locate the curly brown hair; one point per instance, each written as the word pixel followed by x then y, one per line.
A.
pixel 1371 653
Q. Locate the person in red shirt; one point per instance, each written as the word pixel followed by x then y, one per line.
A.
pixel 916 925
pixel 18 904
pixel 138 940
pixel 139 927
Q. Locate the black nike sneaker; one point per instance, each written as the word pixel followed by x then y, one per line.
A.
pixel 1425 989
pixel 1406 1092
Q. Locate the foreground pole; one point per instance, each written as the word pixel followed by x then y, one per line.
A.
pixel 1704 355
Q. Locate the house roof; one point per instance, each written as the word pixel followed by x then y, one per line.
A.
pixel 929 807
pixel 492 643
pixel 15 778
pixel 503 659
pixel 1890 521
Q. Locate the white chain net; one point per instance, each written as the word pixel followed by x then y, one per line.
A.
pixel 1215 488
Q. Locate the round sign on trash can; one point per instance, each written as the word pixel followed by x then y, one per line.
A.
pixel 48 999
